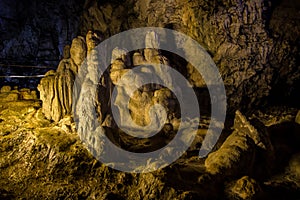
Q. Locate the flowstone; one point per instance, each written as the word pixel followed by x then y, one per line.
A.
pixel 56 87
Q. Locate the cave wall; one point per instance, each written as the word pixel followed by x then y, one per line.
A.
pixel 254 44
pixel 36 31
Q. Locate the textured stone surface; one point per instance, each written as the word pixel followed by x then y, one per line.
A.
pixel 243 188
pixel 36 31
pixel 236 33
pixel 78 51
pixel 235 156
pixel 247 146
pixel 56 92
pixel 7 94
pixel 56 89
pixel 255 46
pixel 42 159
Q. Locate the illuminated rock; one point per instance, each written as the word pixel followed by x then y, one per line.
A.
pixel 297 120
pixel 56 91
pixel 57 86
pixel 235 156
pixel 238 153
pixel 92 40
pixel 5 89
pixel 144 98
pixel 78 50
pixel 244 188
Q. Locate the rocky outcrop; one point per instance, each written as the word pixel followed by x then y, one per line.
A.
pixel 235 156
pixel 259 159
pixel 243 188
pixel 40 159
pixel 56 88
pixel 244 148
pixel 246 47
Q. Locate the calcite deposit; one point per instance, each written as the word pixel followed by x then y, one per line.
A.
pixel 49 140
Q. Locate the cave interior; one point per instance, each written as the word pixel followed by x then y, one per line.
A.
pixel 50 53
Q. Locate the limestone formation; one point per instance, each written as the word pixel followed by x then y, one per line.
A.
pixel 247 44
pixel 235 156
pixel 92 40
pixel 9 95
pixel 142 99
pixel 254 44
pixel 5 89
pixel 245 147
pixel 78 51
pixel 243 188
pixel 56 88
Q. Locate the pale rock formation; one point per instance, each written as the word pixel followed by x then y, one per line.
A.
pixel 78 50
pixel 144 98
pixel 5 88
pixel 238 153
pixel 56 88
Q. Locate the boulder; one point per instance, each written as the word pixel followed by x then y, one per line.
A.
pixel 235 156
pixel 243 188
pixel 5 89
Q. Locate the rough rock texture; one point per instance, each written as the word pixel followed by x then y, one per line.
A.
pixel 243 38
pixel 8 94
pixel 36 32
pixel 138 110
pixel 250 41
pixel 244 188
pixel 236 155
pixel 41 159
pixel 56 88
pixel 248 147
pixel 254 44
pixel 143 99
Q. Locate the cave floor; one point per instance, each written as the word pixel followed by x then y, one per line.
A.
pixel 40 159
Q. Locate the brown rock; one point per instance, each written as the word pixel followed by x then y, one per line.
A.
pixel 78 50
pixel 5 89
pixel 92 40
pixel 243 188
pixel 297 120
pixel 235 156
pixel 56 91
